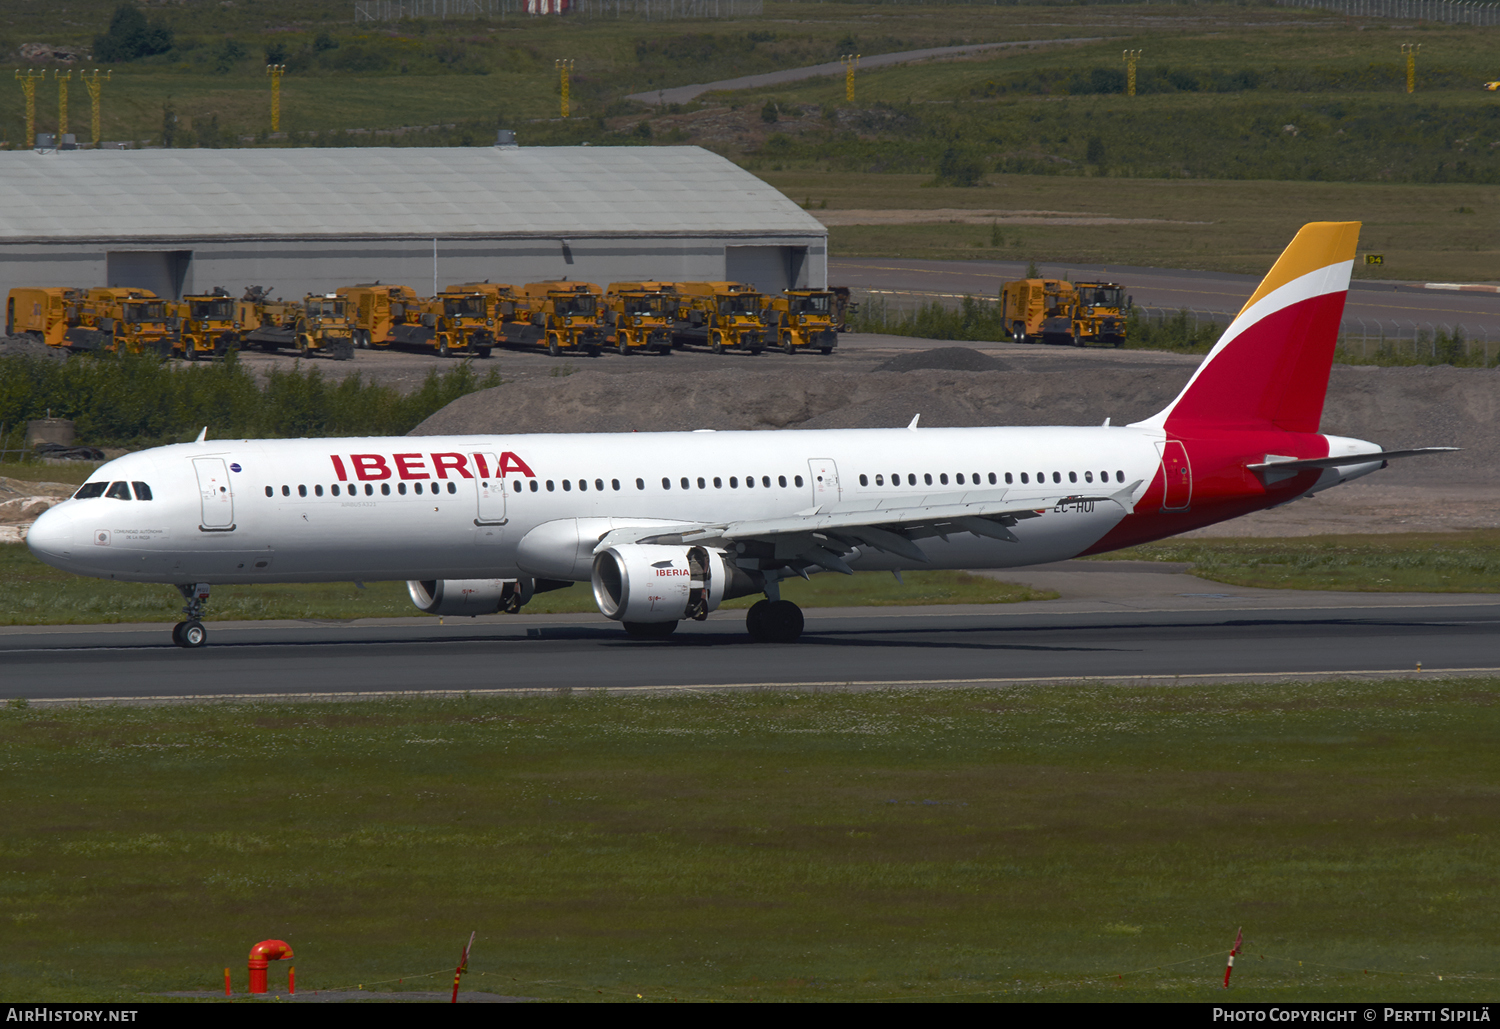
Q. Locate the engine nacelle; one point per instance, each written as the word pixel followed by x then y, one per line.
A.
pixel 643 582
pixel 469 596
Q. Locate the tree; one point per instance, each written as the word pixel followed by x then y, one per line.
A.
pixel 130 37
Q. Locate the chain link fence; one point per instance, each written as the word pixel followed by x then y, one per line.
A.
pixel 1418 10
pixel 646 10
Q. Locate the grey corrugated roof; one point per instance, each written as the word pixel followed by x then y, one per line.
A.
pixel 450 192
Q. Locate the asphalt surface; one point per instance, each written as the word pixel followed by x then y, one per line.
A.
pixel 1384 302
pixel 1207 635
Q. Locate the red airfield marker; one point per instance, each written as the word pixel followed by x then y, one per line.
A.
pixel 463 966
pixel 1238 939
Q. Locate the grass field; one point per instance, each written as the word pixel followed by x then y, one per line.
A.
pixel 1436 562
pixel 1067 843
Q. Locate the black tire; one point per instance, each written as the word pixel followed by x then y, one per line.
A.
pixel 1077 339
pixel 484 352
pixel 592 351
pixel 190 635
pixel 755 621
pixel 780 621
pixel 787 346
pixel 650 630
pixel 716 342
pixel 442 347
pixel 189 350
pixel 827 351
pixel 553 347
pixel 622 343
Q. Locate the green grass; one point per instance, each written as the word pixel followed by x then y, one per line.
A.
pixel 1058 843
pixel 33 593
pixel 1447 562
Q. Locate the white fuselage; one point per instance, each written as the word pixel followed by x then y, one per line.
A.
pixel 434 507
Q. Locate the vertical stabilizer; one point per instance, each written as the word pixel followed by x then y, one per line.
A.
pixel 1270 368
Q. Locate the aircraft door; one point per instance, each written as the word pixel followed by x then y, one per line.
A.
pixel 824 474
pixel 491 486
pixel 1179 477
pixel 213 488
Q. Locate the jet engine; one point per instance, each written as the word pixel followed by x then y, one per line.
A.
pixel 644 583
pixel 469 596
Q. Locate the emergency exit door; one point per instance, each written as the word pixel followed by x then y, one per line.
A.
pixel 490 514
pixel 216 496
pixel 1179 477
pixel 825 480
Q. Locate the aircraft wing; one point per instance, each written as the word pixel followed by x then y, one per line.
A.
pixel 822 535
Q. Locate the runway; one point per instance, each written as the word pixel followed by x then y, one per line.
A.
pixel 918 647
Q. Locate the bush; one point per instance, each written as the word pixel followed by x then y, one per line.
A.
pixel 973 320
pixel 137 400
pixel 130 37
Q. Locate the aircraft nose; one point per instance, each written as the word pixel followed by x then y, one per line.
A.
pixel 51 536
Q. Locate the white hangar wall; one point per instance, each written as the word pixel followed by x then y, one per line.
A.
pixel 312 220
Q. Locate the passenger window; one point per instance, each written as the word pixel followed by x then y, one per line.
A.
pixel 1072 476
pixel 90 490
pixel 911 478
pixel 534 486
pixel 269 491
pixel 765 480
pixel 1057 476
pixel 640 483
pixel 615 485
pixel 1024 480
pixel 335 489
pixel 401 488
pixel 718 482
pixel 701 483
pixel 318 490
pixel 666 483
pixel 797 479
pixel 515 487
pixel 118 491
pixel 142 491
pixel 864 480
pixel 452 488
pixel 687 485
pixel 927 478
pixel 749 482
pixel 959 478
pixel 942 478
pixel 286 491
pixel 417 488
pixel 976 478
pixel 369 490
pixel 301 491
pixel 734 482
pixel 567 485
pixel 599 484
pixel 1088 476
pixel 550 486
pixel 385 489
pixel 781 479
pixel 1007 478
pixel 879 480
pixel 1119 476
pixel 583 485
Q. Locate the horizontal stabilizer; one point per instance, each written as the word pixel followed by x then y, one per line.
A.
pixel 1290 464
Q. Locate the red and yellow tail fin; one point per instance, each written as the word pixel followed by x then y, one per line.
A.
pixel 1270 368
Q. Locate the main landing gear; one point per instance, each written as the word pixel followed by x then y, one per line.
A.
pixel 774 621
pixel 190 635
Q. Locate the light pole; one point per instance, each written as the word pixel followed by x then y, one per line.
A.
pixel 94 86
pixel 275 71
pixel 564 66
pixel 850 62
pixel 1410 50
pixel 62 104
pixel 1130 57
pixel 28 86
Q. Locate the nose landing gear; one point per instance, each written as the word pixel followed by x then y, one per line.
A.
pixel 190 635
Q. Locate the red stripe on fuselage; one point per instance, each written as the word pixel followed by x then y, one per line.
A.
pixel 1223 487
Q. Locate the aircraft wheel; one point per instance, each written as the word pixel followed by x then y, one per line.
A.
pixel 189 635
pixel 650 630
pixel 774 621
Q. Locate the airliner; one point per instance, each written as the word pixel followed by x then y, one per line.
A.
pixel 667 526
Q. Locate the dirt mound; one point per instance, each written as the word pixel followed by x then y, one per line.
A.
pixel 1392 407
pixel 952 359
pixel 28 346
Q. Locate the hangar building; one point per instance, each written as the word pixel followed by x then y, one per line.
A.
pixel 311 220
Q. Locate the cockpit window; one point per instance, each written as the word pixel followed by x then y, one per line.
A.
pixel 90 490
pixel 118 491
pixel 142 491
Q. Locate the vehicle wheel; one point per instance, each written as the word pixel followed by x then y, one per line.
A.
pixel 787 347
pixel 755 621
pixel 650 630
pixel 190 635
pixel 189 351
pixel 484 352
pixel 1077 339
pixel 592 351
pixel 718 342
pixel 304 346
pixel 622 344
pixel 827 351
pixel 779 622
pixel 442 347
pixel 554 347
